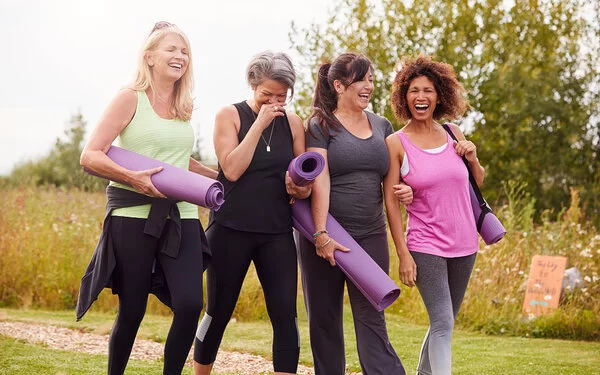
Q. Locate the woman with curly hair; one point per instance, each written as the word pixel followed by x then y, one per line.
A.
pixel 441 243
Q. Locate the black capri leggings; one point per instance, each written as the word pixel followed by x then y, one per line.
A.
pixel 274 256
pixel 135 254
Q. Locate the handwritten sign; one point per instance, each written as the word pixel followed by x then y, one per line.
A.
pixel 544 284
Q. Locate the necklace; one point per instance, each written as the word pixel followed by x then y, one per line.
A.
pixel 270 136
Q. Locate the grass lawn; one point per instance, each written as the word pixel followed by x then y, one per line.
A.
pixel 473 353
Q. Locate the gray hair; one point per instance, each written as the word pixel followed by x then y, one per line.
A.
pixel 269 65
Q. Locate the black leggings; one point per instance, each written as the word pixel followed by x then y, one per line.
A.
pixel 274 256
pixel 135 254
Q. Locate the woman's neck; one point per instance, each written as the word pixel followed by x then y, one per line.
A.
pixel 422 126
pixel 348 114
pixel 161 91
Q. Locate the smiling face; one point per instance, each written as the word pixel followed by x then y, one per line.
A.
pixel 171 58
pixel 358 94
pixel 421 98
pixel 270 91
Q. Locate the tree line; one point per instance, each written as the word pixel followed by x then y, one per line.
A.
pixel 531 69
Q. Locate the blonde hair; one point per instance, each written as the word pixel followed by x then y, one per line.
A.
pixel 182 104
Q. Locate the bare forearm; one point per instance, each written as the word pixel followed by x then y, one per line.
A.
pixel 237 161
pixel 199 168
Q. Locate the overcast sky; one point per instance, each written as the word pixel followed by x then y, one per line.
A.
pixel 62 56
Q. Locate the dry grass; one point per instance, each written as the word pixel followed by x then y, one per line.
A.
pixel 47 236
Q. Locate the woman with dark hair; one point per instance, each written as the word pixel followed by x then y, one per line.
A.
pixel 145 234
pixel 255 140
pixel 441 241
pixel 352 140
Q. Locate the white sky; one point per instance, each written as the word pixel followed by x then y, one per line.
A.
pixel 61 56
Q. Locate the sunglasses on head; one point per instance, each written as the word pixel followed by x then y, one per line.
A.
pixel 161 25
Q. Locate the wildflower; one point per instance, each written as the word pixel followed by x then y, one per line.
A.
pixel 524 234
pixel 55 227
pixel 586 253
pixel 588 279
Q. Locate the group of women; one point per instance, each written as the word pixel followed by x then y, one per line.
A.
pixel 255 140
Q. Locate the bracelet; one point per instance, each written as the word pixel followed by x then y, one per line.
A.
pixel 320 232
pixel 325 244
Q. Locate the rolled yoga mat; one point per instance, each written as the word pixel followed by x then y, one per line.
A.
pixel 358 266
pixel 176 183
pixel 491 229
pixel 306 167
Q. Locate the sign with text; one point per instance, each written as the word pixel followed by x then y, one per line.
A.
pixel 544 284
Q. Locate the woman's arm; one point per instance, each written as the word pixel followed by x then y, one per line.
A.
pixel 298 192
pixel 325 245
pixel 469 151
pixel 234 156
pixel 115 118
pixel 407 267
pixel 197 167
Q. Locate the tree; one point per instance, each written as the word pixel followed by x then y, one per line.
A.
pixel 61 166
pixel 531 70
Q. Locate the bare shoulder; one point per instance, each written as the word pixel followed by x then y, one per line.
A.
pixel 227 115
pixel 127 96
pixel 227 111
pixel 457 131
pixel 394 144
pixel 295 121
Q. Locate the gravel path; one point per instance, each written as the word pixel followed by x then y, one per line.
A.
pixel 68 339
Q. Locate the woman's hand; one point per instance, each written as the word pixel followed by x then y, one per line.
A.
pixel 326 246
pixel 404 193
pixel 296 191
pixel 467 149
pixel 140 181
pixel 268 112
pixel 407 269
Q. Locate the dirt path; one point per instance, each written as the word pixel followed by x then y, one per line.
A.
pixel 68 339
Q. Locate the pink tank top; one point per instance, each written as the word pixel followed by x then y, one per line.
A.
pixel 440 218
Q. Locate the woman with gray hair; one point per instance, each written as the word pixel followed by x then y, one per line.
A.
pixel 255 140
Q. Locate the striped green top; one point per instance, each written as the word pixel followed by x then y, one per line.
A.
pixel 170 141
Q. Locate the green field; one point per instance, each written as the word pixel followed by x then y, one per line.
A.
pixel 473 353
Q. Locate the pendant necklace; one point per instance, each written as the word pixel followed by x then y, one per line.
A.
pixel 270 136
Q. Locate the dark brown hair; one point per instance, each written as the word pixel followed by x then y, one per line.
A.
pixel 450 92
pixel 349 67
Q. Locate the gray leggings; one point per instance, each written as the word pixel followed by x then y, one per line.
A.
pixel 442 283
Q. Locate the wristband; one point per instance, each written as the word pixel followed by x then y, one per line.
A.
pixel 320 232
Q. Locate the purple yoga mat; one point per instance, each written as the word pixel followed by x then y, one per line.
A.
pixel 306 167
pixel 491 230
pixel 358 266
pixel 176 183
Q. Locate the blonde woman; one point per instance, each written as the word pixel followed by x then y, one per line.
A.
pixel 151 117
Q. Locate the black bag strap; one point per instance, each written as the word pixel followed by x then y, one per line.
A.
pixel 482 203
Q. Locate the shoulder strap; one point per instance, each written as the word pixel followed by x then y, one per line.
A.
pixel 482 203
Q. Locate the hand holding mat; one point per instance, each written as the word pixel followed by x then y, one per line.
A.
pixel 358 266
pixel 176 183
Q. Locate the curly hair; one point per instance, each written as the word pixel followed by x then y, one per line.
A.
pixel 452 103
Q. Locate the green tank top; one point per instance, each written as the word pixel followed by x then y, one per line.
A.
pixel 170 141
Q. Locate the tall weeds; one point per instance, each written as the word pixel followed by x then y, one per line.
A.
pixel 47 236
